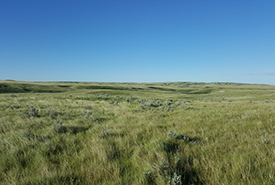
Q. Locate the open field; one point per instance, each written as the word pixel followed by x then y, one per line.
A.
pixel 130 133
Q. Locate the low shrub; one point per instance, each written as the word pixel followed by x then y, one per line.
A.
pixel 31 112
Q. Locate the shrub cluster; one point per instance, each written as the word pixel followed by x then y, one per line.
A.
pixel 179 136
pixel 31 112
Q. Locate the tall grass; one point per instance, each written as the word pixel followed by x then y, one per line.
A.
pixel 119 134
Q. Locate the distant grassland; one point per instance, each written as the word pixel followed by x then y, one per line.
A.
pixel 136 133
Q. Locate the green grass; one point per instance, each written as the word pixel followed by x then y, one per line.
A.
pixel 118 133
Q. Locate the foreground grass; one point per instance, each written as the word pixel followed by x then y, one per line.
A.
pixel 91 133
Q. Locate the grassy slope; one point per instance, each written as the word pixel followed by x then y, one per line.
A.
pixel 117 133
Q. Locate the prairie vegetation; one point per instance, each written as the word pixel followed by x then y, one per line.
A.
pixel 130 133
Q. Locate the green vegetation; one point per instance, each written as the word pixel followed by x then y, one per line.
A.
pixel 131 133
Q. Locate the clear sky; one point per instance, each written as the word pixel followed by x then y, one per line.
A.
pixel 138 40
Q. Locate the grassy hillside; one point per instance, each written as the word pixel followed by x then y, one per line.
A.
pixel 136 133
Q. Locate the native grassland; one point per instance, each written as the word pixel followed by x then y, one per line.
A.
pixel 129 133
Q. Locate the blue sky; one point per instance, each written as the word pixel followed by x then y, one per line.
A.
pixel 138 40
